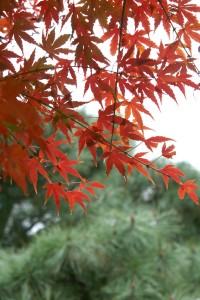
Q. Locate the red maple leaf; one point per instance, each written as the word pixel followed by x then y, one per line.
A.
pixel 153 142
pixel 35 167
pixel 168 152
pixel 59 191
pixel 189 188
pixel 170 171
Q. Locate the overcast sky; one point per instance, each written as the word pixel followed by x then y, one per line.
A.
pixel 182 123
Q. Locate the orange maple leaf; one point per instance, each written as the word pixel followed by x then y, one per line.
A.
pixel 188 188
pixel 168 151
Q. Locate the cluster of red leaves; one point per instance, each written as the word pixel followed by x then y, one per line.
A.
pixel 54 40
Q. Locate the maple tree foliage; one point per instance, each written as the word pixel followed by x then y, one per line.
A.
pixel 57 56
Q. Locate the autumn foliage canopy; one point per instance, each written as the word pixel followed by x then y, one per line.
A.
pixel 57 56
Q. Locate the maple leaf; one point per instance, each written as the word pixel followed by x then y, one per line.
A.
pixel 87 51
pixel 105 119
pixel 35 167
pixel 135 107
pixel 189 32
pixel 66 73
pixel 23 21
pixel 64 166
pixel 139 157
pixel 165 88
pixel 114 35
pixel 118 159
pixel 12 160
pixel 168 152
pixel 89 186
pixel 49 11
pixel 146 89
pixel 7 5
pixel 140 15
pixel 141 64
pixel 6 57
pixel 97 11
pixel 170 171
pixel 53 46
pixel 189 188
pixel 51 149
pixel 184 10
pixel 58 191
pixel 88 138
pixel 130 130
pixel 153 142
pixel 74 197
pixel 101 84
pixel 141 169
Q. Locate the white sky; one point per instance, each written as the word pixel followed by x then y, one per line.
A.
pixel 182 123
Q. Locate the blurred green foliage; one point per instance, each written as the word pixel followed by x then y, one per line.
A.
pixel 110 254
